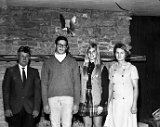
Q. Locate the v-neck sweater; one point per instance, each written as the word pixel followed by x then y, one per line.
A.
pixel 60 79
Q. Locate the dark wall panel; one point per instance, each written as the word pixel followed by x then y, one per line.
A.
pixel 145 40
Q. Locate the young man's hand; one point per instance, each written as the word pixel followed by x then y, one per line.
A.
pixel 47 109
pixel 75 109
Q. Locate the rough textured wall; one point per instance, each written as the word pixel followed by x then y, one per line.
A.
pixel 38 28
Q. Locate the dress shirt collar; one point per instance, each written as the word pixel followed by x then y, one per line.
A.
pixel 25 69
pixel 20 66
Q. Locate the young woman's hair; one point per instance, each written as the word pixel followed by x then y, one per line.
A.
pixel 123 47
pixel 98 59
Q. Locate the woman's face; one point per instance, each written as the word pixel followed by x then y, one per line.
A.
pixel 120 54
pixel 92 54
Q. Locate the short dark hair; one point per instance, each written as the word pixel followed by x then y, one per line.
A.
pixel 61 38
pixel 25 49
pixel 65 39
pixel 121 46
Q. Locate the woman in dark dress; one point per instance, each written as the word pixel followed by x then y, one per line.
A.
pixel 94 88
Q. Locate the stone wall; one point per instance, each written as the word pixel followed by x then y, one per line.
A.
pixel 38 28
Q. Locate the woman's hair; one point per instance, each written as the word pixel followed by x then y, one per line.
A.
pixel 123 47
pixel 98 59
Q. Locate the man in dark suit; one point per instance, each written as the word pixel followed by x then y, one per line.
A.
pixel 21 91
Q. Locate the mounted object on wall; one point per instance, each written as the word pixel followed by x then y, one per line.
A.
pixel 3 4
pixel 68 24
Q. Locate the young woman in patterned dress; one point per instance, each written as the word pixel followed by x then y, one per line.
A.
pixel 94 88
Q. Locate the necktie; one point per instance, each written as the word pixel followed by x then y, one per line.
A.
pixel 23 76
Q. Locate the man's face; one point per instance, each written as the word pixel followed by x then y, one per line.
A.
pixel 61 47
pixel 23 58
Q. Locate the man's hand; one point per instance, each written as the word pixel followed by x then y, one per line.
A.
pixel 8 113
pixel 47 109
pixel 75 109
pixel 35 113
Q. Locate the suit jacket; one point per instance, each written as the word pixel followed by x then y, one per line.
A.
pixel 16 95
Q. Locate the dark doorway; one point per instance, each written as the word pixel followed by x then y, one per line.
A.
pixel 145 40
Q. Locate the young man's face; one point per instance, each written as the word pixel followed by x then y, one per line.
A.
pixel 61 47
pixel 23 58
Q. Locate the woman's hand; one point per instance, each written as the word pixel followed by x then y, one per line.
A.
pixel 99 110
pixel 134 109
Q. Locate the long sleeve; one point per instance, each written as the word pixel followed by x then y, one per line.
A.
pixel 37 89
pixel 44 83
pixel 104 84
pixel 83 85
pixel 76 83
pixel 6 89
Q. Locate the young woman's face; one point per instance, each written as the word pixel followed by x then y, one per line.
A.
pixel 120 54
pixel 61 47
pixel 92 54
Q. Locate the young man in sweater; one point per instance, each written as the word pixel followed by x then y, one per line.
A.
pixel 60 85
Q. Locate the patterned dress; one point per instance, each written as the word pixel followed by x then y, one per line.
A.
pixel 88 108
pixel 119 114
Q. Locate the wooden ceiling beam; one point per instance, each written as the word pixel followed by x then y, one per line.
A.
pixel 39 58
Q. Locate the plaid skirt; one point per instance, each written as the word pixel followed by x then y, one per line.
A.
pixel 91 111
pixel 88 109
